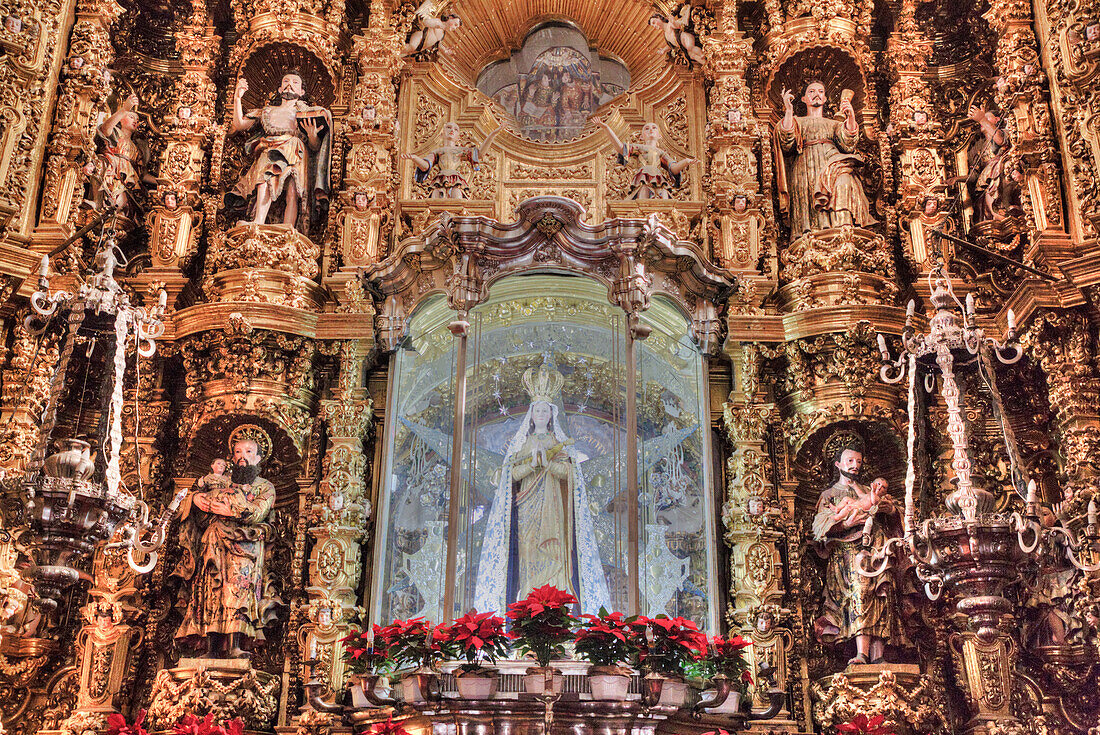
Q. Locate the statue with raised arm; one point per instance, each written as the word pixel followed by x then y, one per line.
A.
pixel 431 26
pixel 994 193
pixel 440 167
pixel 124 159
pixel 658 172
pixel 222 538
pixel 849 519
pixel 818 186
pixel 291 154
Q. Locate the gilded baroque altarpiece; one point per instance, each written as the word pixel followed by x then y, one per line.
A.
pixel 386 233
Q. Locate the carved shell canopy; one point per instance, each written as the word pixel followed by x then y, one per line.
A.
pixel 491 30
pixel 883 456
pixel 265 67
pixel 211 440
pixel 831 66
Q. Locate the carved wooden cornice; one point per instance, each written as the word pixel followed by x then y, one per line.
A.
pixel 628 255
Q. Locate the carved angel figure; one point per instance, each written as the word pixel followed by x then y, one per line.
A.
pixel 658 171
pixel 992 188
pixel 679 33
pixel 447 181
pixel 123 158
pixel 431 25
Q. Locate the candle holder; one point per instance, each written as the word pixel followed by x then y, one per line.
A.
pixel 73 500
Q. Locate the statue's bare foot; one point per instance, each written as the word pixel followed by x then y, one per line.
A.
pixel 237 652
pixel 859 658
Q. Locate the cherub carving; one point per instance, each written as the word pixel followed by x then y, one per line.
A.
pixel 430 26
pixel 680 33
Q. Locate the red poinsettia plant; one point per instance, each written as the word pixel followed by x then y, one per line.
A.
pixel 542 623
pixel 389 727
pixel 414 642
pixel 726 656
pixel 862 724
pixel 671 644
pixel 117 725
pixel 192 725
pixel 608 639
pixel 365 651
pixel 479 638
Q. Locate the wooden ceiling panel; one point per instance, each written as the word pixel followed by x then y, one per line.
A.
pixel 491 30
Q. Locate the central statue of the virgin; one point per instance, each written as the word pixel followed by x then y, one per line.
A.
pixel 540 529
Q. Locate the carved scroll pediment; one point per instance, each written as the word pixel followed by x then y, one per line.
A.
pixel 632 256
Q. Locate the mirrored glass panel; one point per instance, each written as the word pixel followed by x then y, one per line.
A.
pixel 416 486
pixel 675 517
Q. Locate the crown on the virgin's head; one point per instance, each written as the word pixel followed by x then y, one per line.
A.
pixel 543 383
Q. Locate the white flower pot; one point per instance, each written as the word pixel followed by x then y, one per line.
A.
pixel 609 687
pixel 359 697
pixel 535 682
pixel 476 687
pixel 674 693
pixel 410 689
pixel 731 706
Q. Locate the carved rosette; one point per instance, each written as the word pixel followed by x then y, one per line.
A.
pixel 896 692
pixel 226 688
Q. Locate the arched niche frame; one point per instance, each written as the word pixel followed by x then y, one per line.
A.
pixel 647 295
pixel 209 439
pixel 263 66
pixel 834 67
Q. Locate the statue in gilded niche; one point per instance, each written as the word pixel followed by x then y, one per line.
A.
pixel 849 518
pixel 658 172
pixel 442 164
pixel 292 154
pixel 430 27
pixel 819 188
pixel 993 189
pixel 122 165
pixel 223 540
pixel 540 528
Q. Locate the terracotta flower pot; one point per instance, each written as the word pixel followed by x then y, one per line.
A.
pixel 534 682
pixel 608 683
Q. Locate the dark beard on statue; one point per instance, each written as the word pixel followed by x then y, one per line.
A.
pixel 850 475
pixel 290 95
pixel 245 474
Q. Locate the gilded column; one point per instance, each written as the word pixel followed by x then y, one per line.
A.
pixel 32 36
pixel 1062 344
pixel 339 518
pixel 735 136
pixel 176 217
pixel 917 131
pixel 84 89
pixel 366 200
pixel 754 520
